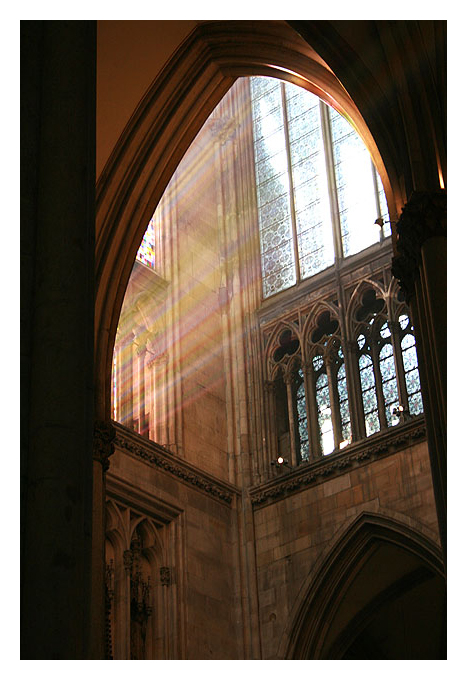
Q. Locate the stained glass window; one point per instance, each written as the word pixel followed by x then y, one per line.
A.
pixel 297 232
pixel 323 402
pixel 355 186
pixel 369 398
pixel 302 419
pixel 388 375
pixel 410 361
pixel 147 250
pixel 343 398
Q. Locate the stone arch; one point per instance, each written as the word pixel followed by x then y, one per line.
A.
pixel 356 300
pixel 312 324
pixel 161 130
pixel 313 316
pixel 396 306
pixel 152 559
pixel 309 632
pixel 273 345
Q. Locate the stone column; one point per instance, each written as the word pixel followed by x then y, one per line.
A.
pixel 312 412
pixel 272 447
pixel 127 396
pixel 357 418
pixel 142 427
pixel 103 448
pixel 378 384
pixel 289 378
pixel 334 401
pixel 58 101
pixel 420 267
pixel 395 329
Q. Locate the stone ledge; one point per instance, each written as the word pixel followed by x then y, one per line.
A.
pixel 365 451
pixel 157 456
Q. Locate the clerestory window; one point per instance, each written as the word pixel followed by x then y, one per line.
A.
pixel 317 189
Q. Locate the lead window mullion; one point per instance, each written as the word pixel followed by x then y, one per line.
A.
pixel 331 177
pixel 291 187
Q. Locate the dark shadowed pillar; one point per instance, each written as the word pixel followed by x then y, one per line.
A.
pixel 420 266
pixel 57 311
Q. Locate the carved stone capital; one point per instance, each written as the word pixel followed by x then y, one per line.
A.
pixel 289 377
pixel 158 360
pixel 394 327
pixel 308 368
pixel 103 447
pixel 424 216
pixel 351 347
pixel 270 386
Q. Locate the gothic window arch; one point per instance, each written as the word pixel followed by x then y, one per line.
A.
pixel 378 385
pixel 138 605
pixel 407 354
pixel 290 418
pixel 329 384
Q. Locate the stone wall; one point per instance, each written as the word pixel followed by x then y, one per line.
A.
pixel 295 532
pixel 293 523
pixel 199 543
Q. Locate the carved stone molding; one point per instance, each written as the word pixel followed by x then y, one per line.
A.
pixel 424 216
pixel 103 445
pixel 315 472
pixel 154 455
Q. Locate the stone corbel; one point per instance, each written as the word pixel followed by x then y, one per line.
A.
pixel 103 445
pixel 424 216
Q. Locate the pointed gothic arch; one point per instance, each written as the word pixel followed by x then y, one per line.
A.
pixel 161 130
pixel 317 627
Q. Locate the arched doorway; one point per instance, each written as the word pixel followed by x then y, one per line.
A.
pixel 378 594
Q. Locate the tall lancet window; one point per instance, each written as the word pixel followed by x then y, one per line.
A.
pixel 410 362
pixel 368 387
pixel 323 402
pixel 387 368
pixel 317 189
pixel 343 397
pixel 302 423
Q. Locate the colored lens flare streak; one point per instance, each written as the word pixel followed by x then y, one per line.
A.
pixel 191 316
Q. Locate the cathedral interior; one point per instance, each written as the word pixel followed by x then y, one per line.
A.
pixel 233 346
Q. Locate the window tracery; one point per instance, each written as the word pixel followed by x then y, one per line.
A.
pixel 338 399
